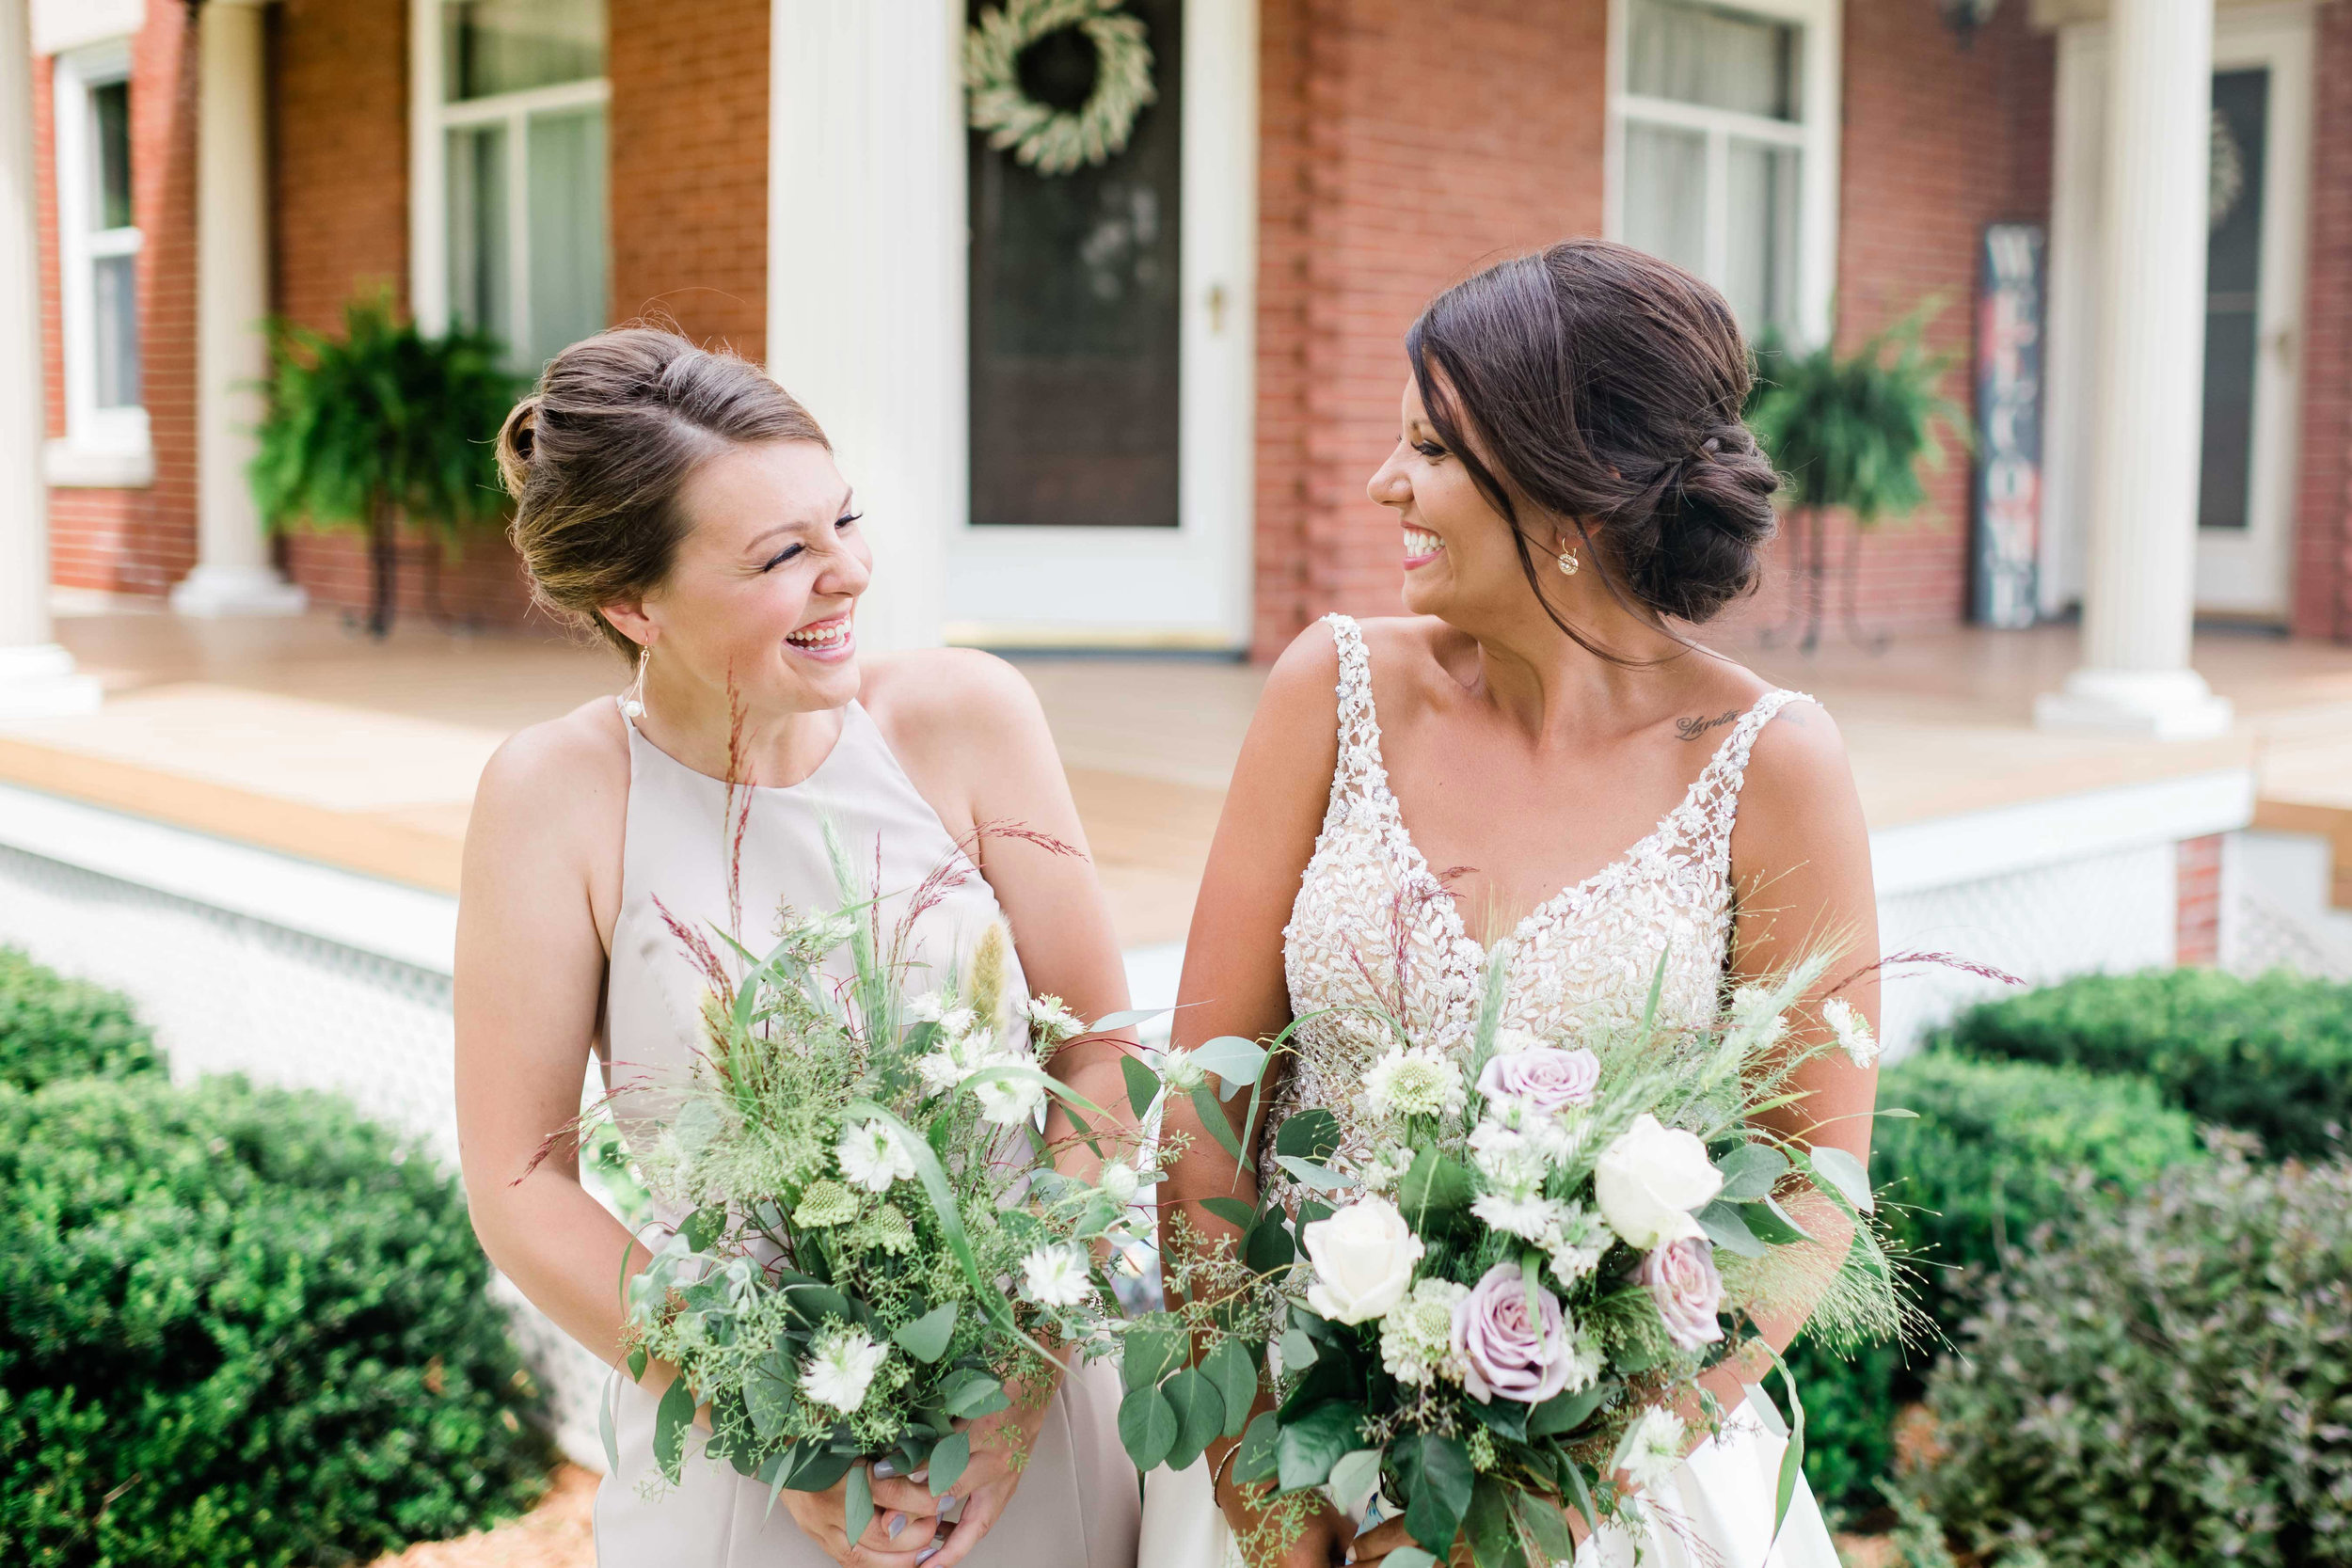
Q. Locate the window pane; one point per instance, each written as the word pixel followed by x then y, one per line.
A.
pixel 2233 239
pixel 1760 253
pixel 110 143
pixel 115 312
pixel 567 231
pixel 1665 194
pixel 478 291
pixel 493 46
pixel 1723 59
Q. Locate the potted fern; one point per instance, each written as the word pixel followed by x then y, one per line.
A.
pixel 1850 432
pixel 380 427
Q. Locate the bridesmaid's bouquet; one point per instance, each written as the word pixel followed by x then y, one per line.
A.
pixel 1507 1268
pixel 876 1246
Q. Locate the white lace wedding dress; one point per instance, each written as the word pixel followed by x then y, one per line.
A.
pixel 1374 925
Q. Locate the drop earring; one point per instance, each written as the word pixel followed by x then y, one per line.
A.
pixel 633 700
pixel 1568 562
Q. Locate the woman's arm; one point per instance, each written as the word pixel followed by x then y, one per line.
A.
pixel 528 978
pixel 1800 863
pixel 1234 981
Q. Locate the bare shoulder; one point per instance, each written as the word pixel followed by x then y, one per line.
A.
pixel 1799 785
pixel 929 700
pixel 1302 686
pixel 555 777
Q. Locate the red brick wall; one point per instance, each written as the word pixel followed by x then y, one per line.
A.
pixel 339 141
pixel 1401 150
pixel 136 541
pixel 1939 141
pixel 689 135
pixel 2323 545
pixel 2197 926
pixel 1402 146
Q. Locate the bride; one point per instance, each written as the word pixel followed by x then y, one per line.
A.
pixel 682 506
pixel 1538 755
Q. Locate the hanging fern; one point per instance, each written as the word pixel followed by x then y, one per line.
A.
pixel 380 425
pixel 1853 431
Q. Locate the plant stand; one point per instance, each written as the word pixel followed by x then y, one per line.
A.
pixel 1803 625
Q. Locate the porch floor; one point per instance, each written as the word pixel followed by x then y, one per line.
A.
pixel 299 735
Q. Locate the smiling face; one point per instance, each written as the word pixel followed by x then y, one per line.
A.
pixel 763 589
pixel 1460 563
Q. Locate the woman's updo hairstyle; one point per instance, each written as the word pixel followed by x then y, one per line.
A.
pixel 595 457
pixel 1603 384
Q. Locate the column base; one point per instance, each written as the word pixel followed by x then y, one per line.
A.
pixel 2152 705
pixel 213 591
pixel 39 681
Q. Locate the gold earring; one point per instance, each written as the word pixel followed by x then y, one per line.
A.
pixel 1568 562
pixel 633 700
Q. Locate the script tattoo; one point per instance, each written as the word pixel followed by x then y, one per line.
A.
pixel 1691 729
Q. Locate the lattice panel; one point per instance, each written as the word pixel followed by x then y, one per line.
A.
pixel 2110 912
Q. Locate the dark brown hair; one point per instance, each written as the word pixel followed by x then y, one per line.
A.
pixel 595 457
pixel 1603 386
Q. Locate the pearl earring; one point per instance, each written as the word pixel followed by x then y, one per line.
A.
pixel 633 700
pixel 1568 562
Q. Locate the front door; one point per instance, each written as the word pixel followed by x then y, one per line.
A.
pixel 1109 311
pixel 2256 199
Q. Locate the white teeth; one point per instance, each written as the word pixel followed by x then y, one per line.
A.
pixel 821 637
pixel 1419 543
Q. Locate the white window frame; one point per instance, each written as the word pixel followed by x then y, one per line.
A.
pixel 1815 134
pixel 430 120
pixel 113 444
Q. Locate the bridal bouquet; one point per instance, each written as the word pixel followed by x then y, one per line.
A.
pixel 876 1246
pixel 1507 1269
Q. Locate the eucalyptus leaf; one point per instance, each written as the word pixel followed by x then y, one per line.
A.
pixel 1323 1179
pixel 1213 1117
pixel 1151 1348
pixel 767 1394
pixel 1230 1368
pixel 1254 1457
pixel 1751 1172
pixel 1844 1172
pixel 671 1419
pixel 1147 1427
pixel 949 1455
pixel 1438 1480
pixel 1200 1415
pixel 1233 1210
pixel 1233 1059
pixel 1307 1448
pixel 1354 1475
pixel 1312 1135
pixel 1298 1350
pixel 1727 1226
pixel 1773 1226
pixel 927 1338
pixel 857 1503
pixel 1143 1085
pixel 968 1393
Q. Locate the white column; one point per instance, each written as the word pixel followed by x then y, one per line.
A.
pixel 36 676
pixel 2147 389
pixel 865 274
pixel 233 575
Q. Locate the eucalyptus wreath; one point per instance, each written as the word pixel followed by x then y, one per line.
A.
pixel 1051 140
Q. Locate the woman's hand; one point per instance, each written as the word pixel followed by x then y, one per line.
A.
pixel 989 1479
pixel 904 1530
pixel 1323 1540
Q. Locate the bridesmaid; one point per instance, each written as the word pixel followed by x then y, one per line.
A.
pixel 685 508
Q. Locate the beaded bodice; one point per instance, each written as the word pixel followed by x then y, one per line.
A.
pixel 1373 927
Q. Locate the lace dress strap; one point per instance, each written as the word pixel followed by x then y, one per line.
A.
pixel 1718 790
pixel 1359 772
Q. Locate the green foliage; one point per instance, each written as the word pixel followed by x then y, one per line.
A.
pixel 2172 1387
pixel 381 424
pixel 241 1327
pixel 52 1027
pixel 2270 1056
pixel 1852 431
pixel 1995 1152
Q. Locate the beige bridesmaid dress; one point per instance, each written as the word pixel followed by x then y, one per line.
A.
pixel 1077 1505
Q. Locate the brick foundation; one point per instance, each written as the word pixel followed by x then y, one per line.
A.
pixel 2199 939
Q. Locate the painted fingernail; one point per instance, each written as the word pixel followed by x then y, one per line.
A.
pixel 923 1474
pixel 884 1470
pixel 892 1526
pixel 925 1556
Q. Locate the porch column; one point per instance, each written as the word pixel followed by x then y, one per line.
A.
pixel 36 676
pixel 2138 591
pixel 866 279
pixel 233 575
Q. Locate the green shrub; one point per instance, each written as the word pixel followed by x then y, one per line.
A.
pixel 241 1327
pixel 52 1027
pixel 2172 1387
pixel 2271 1056
pixel 1993 1154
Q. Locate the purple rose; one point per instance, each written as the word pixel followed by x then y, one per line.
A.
pixel 1502 1348
pixel 1546 1079
pixel 1680 1277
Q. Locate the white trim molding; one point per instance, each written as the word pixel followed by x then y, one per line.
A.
pixel 62 25
pixel 120 432
pixel 1914 857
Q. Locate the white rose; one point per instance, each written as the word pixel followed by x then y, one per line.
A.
pixel 1649 1182
pixel 1363 1257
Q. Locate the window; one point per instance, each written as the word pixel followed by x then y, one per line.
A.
pixel 519 105
pixel 1722 130
pixel 98 248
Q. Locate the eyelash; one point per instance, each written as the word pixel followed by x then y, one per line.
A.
pixel 786 554
pixel 1429 449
